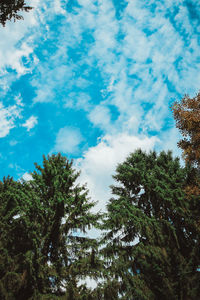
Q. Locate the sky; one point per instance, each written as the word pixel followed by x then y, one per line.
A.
pixel 94 80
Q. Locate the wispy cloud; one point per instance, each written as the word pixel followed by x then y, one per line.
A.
pixel 142 57
pixel 141 66
pixel 78 101
pixel 8 115
pixel 30 123
pixel 27 177
pixel 15 45
pixel 68 140
pixel 100 116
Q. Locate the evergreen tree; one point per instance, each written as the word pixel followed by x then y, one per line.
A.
pixel 43 223
pixel 9 10
pixel 14 244
pixel 151 239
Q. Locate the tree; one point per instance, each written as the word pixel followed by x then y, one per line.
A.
pixel 14 244
pixel 43 223
pixel 9 10
pixel 151 239
pixel 187 116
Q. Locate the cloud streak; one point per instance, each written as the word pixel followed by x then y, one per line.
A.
pixel 68 140
pixel 147 56
pixel 30 123
pixel 8 116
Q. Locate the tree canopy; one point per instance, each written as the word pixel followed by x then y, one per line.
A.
pixel 150 248
pixel 9 10
pixel 151 236
pixel 42 224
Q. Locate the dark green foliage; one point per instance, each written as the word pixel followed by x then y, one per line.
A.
pixel 43 249
pixel 150 249
pixel 151 239
pixel 9 10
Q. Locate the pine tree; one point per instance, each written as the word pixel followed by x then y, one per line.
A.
pixel 44 246
pixel 13 242
pixel 151 239
pixel 9 10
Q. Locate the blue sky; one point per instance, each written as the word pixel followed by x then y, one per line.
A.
pixel 95 81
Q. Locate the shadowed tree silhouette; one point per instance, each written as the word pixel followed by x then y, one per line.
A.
pixel 151 236
pixel 9 10
pixel 44 250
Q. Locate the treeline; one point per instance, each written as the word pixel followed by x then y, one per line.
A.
pixel 149 247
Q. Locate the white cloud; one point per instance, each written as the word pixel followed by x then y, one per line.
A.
pixel 60 72
pixel 18 100
pixel 139 68
pixel 13 142
pixel 78 101
pixel 58 7
pixel 13 47
pixel 8 115
pixel 68 140
pixel 30 123
pixel 100 116
pixel 98 163
pixel 27 177
pixel 148 35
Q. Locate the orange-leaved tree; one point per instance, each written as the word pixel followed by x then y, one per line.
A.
pixel 187 116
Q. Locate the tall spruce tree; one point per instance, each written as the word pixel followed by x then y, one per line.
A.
pixel 9 10
pixel 151 237
pixel 44 252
